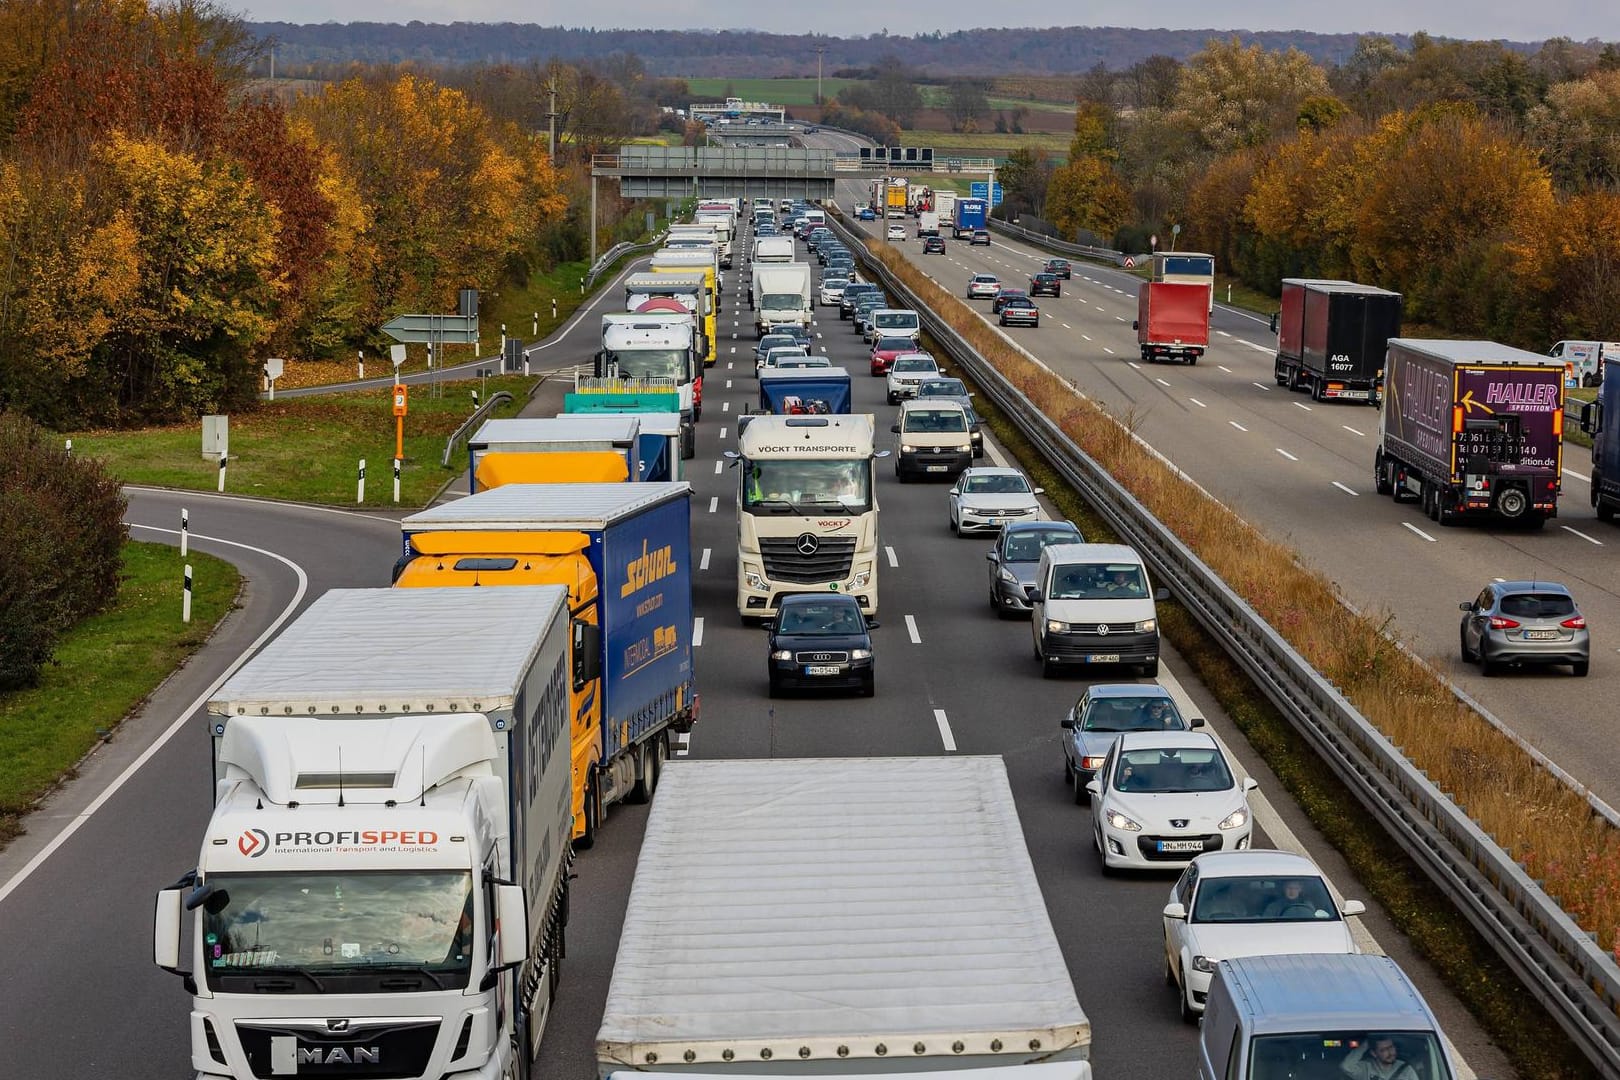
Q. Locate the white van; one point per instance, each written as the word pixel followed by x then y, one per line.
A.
pixel 1094 604
pixel 935 439
pixel 896 322
pixel 1583 360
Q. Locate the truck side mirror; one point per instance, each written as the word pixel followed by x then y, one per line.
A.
pixel 587 653
pixel 895 428
pixel 166 930
pixel 599 363
pixel 1591 418
pixel 512 916
pixel 1033 593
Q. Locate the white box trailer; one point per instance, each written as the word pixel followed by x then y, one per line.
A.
pixel 839 917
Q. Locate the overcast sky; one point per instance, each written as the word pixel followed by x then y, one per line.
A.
pixel 1516 20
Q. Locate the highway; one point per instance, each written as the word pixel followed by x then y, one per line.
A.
pixel 1302 472
pixel 951 678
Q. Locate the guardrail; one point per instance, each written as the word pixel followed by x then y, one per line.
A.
pixel 1559 963
pixel 1063 247
pixel 613 253
pixel 497 398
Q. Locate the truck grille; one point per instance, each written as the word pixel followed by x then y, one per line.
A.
pixel 786 559
pixel 377 1051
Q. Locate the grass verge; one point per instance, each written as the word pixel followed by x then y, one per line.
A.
pixel 307 449
pixel 103 669
pixel 985 143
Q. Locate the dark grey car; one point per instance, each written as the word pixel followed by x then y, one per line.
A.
pixel 1017 556
pixel 1101 714
pixel 1524 622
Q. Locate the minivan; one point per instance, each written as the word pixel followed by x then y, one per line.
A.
pixel 896 322
pixel 1094 604
pixel 1317 1014
pixel 935 439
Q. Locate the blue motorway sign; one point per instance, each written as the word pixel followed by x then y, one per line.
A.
pixel 978 189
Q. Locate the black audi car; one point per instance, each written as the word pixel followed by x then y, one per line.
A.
pixel 820 641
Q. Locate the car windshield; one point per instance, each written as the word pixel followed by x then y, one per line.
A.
pixel 1303 898
pixel 1337 1053
pixel 652 363
pixel 914 363
pixel 1098 581
pixel 984 279
pixel 943 388
pixel 769 484
pixel 818 619
pixel 833 282
pixel 317 924
pixel 1026 545
pixel 1168 770
pixel 773 341
pixel 1537 605
pixel 896 320
pixel 935 420
pixel 997 484
pixel 1132 714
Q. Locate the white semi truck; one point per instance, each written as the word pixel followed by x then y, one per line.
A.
pixel 918 944
pixel 806 510
pixel 382 889
pixel 653 347
pixel 781 296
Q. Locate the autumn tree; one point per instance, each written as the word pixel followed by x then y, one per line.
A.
pixel 1577 130
pixel 1234 95
pixel 1087 195
pixel 1024 179
pixel 1151 83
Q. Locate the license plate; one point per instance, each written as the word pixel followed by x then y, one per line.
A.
pixel 938 468
pixel 1181 845
pixel 1104 658
pixel 822 669
pixel 1541 635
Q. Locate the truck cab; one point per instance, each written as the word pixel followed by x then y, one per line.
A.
pixel 690 290
pixel 657 350
pixel 1598 419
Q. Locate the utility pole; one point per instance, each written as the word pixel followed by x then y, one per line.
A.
pixel 551 118
pixel 821 50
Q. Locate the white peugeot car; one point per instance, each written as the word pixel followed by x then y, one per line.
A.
pixel 986 497
pixel 897 232
pixel 1248 903
pixel 909 371
pixel 1163 798
pixel 832 290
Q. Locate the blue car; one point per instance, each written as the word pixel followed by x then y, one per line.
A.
pixel 866 214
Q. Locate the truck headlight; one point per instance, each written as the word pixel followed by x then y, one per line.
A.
pixel 860 654
pixel 754 580
pixel 1147 626
pixel 1117 820
pixel 1236 819
pixel 861 580
pixel 1055 627
pixel 1204 964
pixel 782 654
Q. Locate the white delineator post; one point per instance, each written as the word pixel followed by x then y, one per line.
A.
pixel 396 480
pixel 185 531
pixel 360 483
pixel 185 597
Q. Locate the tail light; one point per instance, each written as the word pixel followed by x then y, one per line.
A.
pixel 1576 623
pixel 1499 623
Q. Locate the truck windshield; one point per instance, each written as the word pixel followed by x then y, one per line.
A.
pixel 782 302
pixel 1359 1053
pixel 772 485
pixel 652 364
pixel 317 925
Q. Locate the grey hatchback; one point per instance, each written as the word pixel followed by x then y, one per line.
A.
pixel 1101 714
pixel 1016 557
pixel 1524 622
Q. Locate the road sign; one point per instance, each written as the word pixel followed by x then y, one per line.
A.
pixel 1153 240
pixel 273 367
pixel 978 189
pixel 449 329
pixel 1130 263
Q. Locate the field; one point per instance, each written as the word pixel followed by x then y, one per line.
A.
pixel 985 144
pixel 800 91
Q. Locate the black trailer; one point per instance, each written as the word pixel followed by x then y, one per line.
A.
pixel 1331 337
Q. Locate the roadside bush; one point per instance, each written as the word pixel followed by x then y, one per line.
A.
pixel 61 528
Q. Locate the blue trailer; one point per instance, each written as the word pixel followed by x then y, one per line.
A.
pixel 970 215
pixel 795 391
pixel 1601 420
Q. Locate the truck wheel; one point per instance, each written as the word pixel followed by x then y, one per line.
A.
pixel 1315 386
pixel 1512 503
pixel 642 791
pixel 593 815
pixel 1383 476
pixel 1448 514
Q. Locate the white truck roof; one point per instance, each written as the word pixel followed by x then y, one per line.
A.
pixel 521 432
pixel 836 903
pixel 370 652
pixel 663 282
pixel 1473 352
pixel 766 436
pixel 580 507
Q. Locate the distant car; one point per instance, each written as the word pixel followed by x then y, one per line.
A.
pixel 934 245
pixel 1161 799
pixel 1016 558
pixel 1047 283
pixel 897 232
pixel 777 355
pixel 1105 711
pixel 1006 294
pixel 906 372
pixel 985 498
pixel 981 238
pixel 1021 310
pixel 819 641
pixel 832 290
pixel 1059 268
pixel 852 293
pixel 885 350
pixel 955 390
pixel 1524 622
pixel 1248 903
pixel 782 363
pixel 769 342
pixel 980 286
pixel 866 213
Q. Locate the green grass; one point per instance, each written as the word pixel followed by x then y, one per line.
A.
pixel 939 97
pixel 795 91
pixel 104 668
pixel 307 449
pixel 986 143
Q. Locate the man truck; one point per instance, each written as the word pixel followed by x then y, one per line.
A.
pixel 382 889
pixel 537 450
pixel 1471 429
pixel 1172 321
pixel 918 943
pixel 1332 336
pixel 624 553
pixel 806 510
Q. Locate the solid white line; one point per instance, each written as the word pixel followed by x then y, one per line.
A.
pixel 1237 425
pixel 1198 403
pixel 1583 536
pixel 703 563
pixel 1224 368
pixel 180 720
pixel 1578 476
pixel 714 503
pixel 911 629
pixel 1420 532
pixel 1353 431
pixel 1344 489
pixel 697 631
pixel 945 731
pixel 719 467
pixel 1285 453
pixel 894 561
pixel 1302 405
pixel 1161 382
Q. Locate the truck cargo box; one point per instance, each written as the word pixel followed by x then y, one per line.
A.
pixel 804 390
pixel 1332 336
pixel 1172 320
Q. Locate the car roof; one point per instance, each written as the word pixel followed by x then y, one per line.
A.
pixel 1088 553
pixel 1531 586
pixel 931 404
pixel 1167 740
pixel 1253 862
pixel 1031 526
pixel 991 470
pixel 1129 690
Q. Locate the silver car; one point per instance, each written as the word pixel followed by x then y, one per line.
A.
pixel 1101 714
pixel 909 371
pixel 985 498
pixel 1016 557
pixel 1524 622
pixel 983 286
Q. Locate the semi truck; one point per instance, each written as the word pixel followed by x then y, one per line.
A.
pixel 1332 336
pixel 805 391
pixel 623 551
pixel 1471 429
pixel 690 290
pixel 656 348
pixel 724 221
pixel 781 296
pixel 705 261
pixel 382 889
pixel 806 510
pixel 920 945
pixel 658 446
pixel 970 215
pixel 1598 420
pixel 537 450
pixel 1172 321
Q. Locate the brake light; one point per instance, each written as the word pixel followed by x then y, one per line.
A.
pixel 1576 623
pixel 1499 623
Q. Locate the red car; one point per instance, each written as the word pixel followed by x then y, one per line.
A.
pixel 885 349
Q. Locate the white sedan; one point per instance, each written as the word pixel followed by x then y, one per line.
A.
pixel 1163 798
pixel 897 232
pixel 985 498
pixel 1247 903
